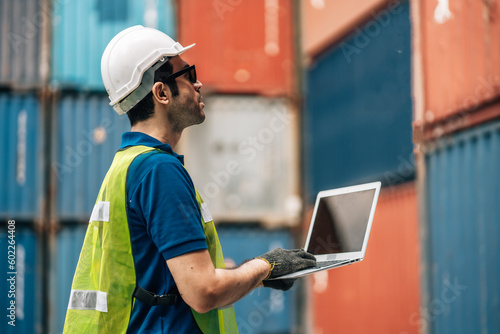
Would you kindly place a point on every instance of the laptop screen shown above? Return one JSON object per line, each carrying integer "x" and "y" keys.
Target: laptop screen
{"x": 341, "y": 222}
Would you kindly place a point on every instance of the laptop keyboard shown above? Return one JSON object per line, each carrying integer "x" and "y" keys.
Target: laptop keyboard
{"x": 328, "y": 263}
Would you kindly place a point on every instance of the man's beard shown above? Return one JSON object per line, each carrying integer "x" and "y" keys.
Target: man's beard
{"x": 183, "y": 115}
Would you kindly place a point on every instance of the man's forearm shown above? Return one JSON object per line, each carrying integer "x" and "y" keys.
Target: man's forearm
{"x": 234, "y": 284}
{"x": 204, "y": 287}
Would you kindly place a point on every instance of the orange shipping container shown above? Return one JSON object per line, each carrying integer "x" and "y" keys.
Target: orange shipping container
{"x": 241, "y": 46}
{"x": 381, "y": 293}
{"x": 458, "y": 43}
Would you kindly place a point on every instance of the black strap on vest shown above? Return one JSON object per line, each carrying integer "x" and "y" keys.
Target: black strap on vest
{"x": 153, "y": 299}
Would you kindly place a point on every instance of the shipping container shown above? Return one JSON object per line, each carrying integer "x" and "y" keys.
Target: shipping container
{"x": 68, "y": 242}
{"x": 380, "y": 294}
{"x": 21, "y": 151}
{"x": 462, "y": 242}
{"x": 87, "y": 138}
{"x": 357, "y": 122}
{"x": 264, "y": 310}
{"x": 458, "y": 45}
{"x": 21, "y": 285}
{"x": 326, "y": 21}
{"x": 241, "y": 46}
{"x": 22, "y": 23}
{"x": 244, "y": 159}
{"x": 82, "y": 29}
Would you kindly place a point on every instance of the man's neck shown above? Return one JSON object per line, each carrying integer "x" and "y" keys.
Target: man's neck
{"x": 166, "y": 136}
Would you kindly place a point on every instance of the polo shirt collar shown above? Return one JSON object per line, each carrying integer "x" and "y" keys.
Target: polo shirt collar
{"x": 139, "y": 138}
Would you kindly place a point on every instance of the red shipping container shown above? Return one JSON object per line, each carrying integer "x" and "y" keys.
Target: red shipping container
{"x": 241, "y": 46}
{"x": 381, "y": 293}
{"x": 460, "y": 52}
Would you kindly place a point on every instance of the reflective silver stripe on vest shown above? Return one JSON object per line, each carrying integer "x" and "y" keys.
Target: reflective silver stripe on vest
{"x": 205, "y": 213}
{"x": 100, "y": 212}
{"x": 88, "y": 300}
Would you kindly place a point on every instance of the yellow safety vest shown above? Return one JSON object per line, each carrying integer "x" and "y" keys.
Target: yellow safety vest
{"x": 101, "y": 298}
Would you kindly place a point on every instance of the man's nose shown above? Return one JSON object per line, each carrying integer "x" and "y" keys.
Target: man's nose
{"x": 198, "y": 85}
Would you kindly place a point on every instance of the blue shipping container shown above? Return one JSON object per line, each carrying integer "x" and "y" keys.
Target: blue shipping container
{"x": 264, "y": 310}
{"x": 82, "y": 29}
{"x": 357, "y": 124}
{"x": 68, "y": 244}
{"x": 24, "y": 287}
{"x": 21, "y": 152}
{"x": 22, "y": 24}
{"x": 462, "y": 242}
{"x": 87, "y": 138}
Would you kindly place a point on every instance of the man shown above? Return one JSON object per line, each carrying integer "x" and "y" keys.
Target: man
{"x": 151, "y": 260}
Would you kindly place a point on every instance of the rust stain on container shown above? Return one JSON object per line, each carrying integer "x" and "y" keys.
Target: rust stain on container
{"x": 460, "y": 56}
{"x": 241, "y": 46}
{"x": 381, "y": 293}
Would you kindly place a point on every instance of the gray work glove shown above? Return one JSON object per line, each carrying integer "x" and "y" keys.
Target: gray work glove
{"x": 285, "y": 261}
{"x": 279, "y": 284}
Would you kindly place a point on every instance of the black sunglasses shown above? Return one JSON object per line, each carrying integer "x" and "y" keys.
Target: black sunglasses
{"x": 190, "y": 70}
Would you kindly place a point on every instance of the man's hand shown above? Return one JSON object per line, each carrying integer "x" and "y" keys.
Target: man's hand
{"x": 279, "y": 284}
{"x": 285, "y": 261}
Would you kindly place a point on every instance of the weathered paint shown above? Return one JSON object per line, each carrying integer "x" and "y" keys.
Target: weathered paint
{"x": 87, "y": 138}
{"x": 241, "y": 46}
{"x": 357, "y": 120}
{"x": 460, "y": 56}
{"x": 463, "y": 232}
{"x": 22, "y": 23}
{"x": 21, "y": 152}
{"x": 380, "y": 294}
{"x": 82, "y": 29}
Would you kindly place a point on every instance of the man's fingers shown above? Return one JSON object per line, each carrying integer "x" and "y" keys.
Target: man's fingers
{"x": 308, "y": 255}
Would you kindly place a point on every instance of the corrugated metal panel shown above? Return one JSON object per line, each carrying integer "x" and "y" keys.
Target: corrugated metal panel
{"x": 381, "y": 294}
{"x": 21, "y": 23}
{"x": 243, "y": 159}
{"x": 357, "y": 124}
{"x": 82, "y": 29}
{"x": 241, "y": 46}
{"x": 28, "y": 292}
{"x": 463, "y": 239}
{"x": 264, "y": 310}
{"x": 326, "y": 21}
{"x": 68, "y": 244}
{"x": 461, "y": 55}
{"x": 87, "y": 138}
{"x": 21, "y": 164}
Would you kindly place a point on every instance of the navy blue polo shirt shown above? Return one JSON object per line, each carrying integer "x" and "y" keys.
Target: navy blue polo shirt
{"x": 164, "y": 222}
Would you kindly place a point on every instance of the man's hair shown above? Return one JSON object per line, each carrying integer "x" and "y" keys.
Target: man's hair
{"x": 144, "y": 109}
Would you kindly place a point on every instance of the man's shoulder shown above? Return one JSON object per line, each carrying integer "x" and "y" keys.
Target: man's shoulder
{"x": 157, "y": 163}
{"x": 155, "y": 159}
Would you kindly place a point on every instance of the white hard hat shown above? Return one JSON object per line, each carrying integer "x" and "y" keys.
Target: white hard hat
{"x": 129, "y": 61}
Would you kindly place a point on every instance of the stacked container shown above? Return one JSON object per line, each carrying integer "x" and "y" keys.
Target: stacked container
{"x": 23, "y": 180}
{"x": 244, "y": 157}
{"x": 457, "y": 126}
{"x": 357, "y": 128}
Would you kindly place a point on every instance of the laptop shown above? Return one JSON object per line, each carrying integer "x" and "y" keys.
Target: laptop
{"x": 340, "y": 227}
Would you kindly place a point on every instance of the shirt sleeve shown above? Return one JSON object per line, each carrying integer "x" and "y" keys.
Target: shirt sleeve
{"x": 166, "y": 200}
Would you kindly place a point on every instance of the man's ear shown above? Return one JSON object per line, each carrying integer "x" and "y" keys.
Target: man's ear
{"x": 161, "y": 93}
